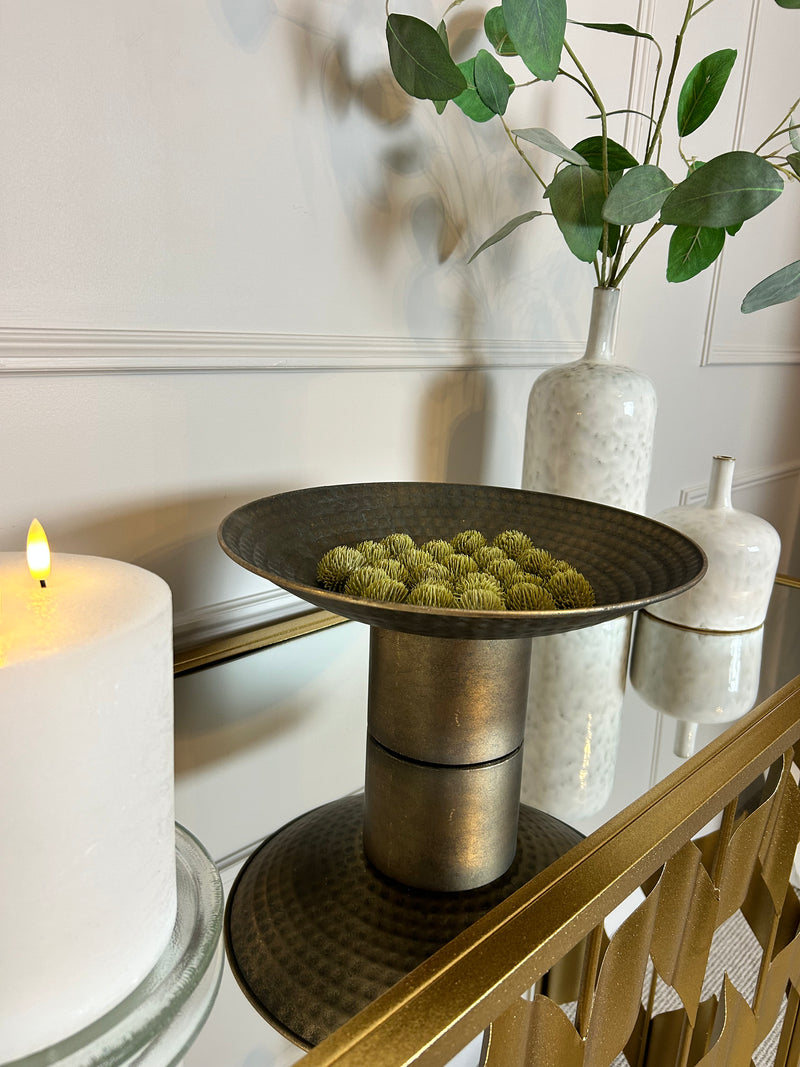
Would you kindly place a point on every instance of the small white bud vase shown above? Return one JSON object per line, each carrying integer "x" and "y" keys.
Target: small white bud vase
{"x": 742, "y": 551}
{"x": 589, "y": 434}
{"x": 698, "y": 657}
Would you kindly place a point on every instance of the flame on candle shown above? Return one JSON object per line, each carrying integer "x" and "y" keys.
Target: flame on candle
{"x": 38, "y": 552}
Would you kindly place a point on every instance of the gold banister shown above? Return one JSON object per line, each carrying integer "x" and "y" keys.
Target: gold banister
{"x": 436, "y": 1010}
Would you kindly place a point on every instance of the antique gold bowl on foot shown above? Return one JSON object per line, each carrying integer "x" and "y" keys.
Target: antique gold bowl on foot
{"x": 335, "y": 907}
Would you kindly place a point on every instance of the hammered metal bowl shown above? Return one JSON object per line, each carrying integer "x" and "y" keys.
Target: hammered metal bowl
{"x": 630, "y": 560}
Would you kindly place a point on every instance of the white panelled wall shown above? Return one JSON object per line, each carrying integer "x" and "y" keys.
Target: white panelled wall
{"x": 233, "y": 260}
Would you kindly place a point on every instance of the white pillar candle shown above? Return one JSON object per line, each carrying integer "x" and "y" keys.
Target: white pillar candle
{"x": 87, "y": 834}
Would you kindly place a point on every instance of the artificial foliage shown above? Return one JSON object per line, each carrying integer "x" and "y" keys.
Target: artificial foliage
{"x": 599, "y": 194}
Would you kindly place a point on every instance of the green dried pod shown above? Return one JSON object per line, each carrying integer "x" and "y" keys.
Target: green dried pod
{"x": 523, "y": 576}
{"x": 416, "y": 562}
{"x": 460, "y": 564}
{"x": 468, "y": 542}
{"x": 480, "y": 600}
{"x": 570, "y": 589}
{"x": 336, "y": 566}
{"x": 505, "y": 570}
{"x": 436, "y": 572}
{"x": 488, "y": 554}
{"x": 529, "y": 596}
{"x": 372, "y": 551}
{"x": 394, "y": 568}
{"x": 386, "y": 588}
{"x": 513, "y": 542}
{"x": 439, "y": 549}
{"x": 477, "y": 580}
{"x": 432, "y": 595}
{"x": 538, "y": 561}
{"x": 398, "y": 543}
{"x": 360, "y": 580}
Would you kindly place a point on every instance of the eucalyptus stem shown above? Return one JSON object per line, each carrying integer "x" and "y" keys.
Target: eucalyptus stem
{"x": 625, "y": 233}
{"x": 515, "y": 141}
{"x": 676, "y": 53}
{"x": 699, "y": 9}
{"x": 604, "y": 151}
{"x": 651, "y": 233}
{"x": 566, "y": 74}
{"x": 778, "y": 131}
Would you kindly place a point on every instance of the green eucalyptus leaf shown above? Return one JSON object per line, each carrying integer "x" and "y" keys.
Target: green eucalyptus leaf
{"x": 779, "y": 287}
{"x": 792, "y": 4}
{"x": 793, "y": 159}
{"x": 536, "y": 28}
{"x": 691, "y": 250}
{"x": 469, "y": 101}
{"x": 794, "y": 136}
{"x": 491, "y": 82}
{"x": 550, "y": 143}
{"x": 420, "y": 60}
{"x": 619, "y": 158}
{"x": 576, "y": 197}
{"x": 494, "y": 26}
{"x": 615, "y": 27}
{"x": 725, "y": 191}
{"x": 702, "y": 89}
{"x": 441, "y": 29}
{"x": 613, "y": 238}
{"x": 504, "y": 231}
{"x": 733, "y": 230}
{"x": 637, "y": 196}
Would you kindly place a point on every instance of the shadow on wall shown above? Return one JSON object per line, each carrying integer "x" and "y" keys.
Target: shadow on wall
{"x": 245, "y": 22}
{"x": 456, "y": 415}
{"x": 175, "y": 539}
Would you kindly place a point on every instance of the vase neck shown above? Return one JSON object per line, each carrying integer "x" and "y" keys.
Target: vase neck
{"x": 721, "y": 482}
{"x": 600, "y": 342}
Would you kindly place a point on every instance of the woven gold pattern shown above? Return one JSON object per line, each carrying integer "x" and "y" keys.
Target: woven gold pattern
{"x": 739, "y": 872}
{"x": 674, "y": 927}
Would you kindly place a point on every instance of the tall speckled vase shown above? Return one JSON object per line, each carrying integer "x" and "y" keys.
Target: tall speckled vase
{"x": 589, "y": 434}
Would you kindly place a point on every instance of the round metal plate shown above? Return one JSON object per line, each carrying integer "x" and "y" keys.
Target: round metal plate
{"x": 630, "y": 560}
{"x": 314, "y": 932}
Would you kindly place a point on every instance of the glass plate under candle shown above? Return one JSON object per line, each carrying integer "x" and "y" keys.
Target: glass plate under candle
{"x": 157, "y": 1023}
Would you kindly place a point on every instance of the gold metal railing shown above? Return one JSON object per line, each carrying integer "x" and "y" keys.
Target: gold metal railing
{"x": 476, "y": 982}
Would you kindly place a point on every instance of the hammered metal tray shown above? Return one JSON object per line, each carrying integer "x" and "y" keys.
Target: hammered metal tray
{"x": 630, "y": 560}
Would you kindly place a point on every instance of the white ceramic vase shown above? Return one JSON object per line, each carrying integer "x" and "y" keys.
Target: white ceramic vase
{"x": 589, "y": 434}
{"x": 697, "y": 657}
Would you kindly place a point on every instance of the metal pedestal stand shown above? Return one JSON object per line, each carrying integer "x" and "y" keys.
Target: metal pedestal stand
{"x": 342, "y": 902}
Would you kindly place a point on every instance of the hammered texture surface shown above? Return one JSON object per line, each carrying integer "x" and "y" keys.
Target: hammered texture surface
{"x": 630, "y": 560}
{"x": 314, "y": 932}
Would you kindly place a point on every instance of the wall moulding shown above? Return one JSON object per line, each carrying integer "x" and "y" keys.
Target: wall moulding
{"x": 31, "y": 351}
{"x": 228, "y": 617}
{"x": 696, "y": 494}
{"x": 716, "y": 352}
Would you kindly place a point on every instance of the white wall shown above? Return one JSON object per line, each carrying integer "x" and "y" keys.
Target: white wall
{"x": 233, "y": 262}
